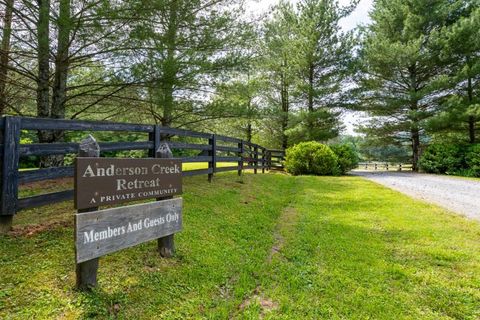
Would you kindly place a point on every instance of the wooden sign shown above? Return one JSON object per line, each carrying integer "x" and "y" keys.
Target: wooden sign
{"x": 107, "y": 181}
{"x": 101, "y": 232}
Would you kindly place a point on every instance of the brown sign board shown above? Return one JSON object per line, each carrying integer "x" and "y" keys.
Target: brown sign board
{"x": 108, "y": 181}
{"x": 101, "y": 232}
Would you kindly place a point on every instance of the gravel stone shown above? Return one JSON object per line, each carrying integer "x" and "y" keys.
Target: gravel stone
{"x": 453, "y": 193}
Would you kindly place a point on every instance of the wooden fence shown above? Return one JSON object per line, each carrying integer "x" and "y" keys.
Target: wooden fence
{"x": 384, "y": 166}
{"x": 212, "y": 149}
{"x": 276, "y": 159}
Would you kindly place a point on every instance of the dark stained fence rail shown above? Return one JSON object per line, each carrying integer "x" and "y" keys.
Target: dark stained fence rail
{"x": 277, "y": 158}
{"x": 215, "y": 149}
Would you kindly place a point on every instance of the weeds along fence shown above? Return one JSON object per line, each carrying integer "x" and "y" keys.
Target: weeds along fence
{"x": 384, "y": 166}
{"x": 192, "y": 147}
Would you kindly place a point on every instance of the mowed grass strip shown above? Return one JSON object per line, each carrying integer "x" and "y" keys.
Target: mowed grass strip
{"x": 204, "y": 165}
{"x": 228, "y": 232}
{"x": 266, "y": 246}
{"x": 361, "y": 251}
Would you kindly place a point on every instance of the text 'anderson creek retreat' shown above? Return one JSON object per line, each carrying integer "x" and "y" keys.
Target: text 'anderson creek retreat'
{"x": 124, "y": 184}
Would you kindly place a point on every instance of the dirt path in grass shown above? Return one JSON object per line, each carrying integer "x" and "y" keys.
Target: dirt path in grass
{"x": 286, "y": 223}
{"x": 453, "y": 193}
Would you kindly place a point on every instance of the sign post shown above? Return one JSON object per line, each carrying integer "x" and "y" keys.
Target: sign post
{"x": 109, "y": 181}
{"x": 86, "y": 271}
{"x": 166, "y": 246}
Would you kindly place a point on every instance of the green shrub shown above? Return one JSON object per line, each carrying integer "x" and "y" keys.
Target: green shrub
{"x": 311, "y": 158}
{"x": 347, "y": 157}
{"x": 442, "y": 158}
{"x": 466, "y": 173}
{"x": 472, "y": 159}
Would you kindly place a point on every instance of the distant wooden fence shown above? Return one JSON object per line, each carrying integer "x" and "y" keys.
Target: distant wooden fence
{"x": 276, "y": 159}
{"x": 213, "y": 149}
{"x": 384, "y": 166}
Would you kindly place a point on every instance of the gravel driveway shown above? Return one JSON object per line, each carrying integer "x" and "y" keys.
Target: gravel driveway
{"x": 456, "y": 194}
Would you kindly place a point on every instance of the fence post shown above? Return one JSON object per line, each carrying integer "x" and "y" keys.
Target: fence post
{"x": 240, "y": 155}
{"x": 87, "y": 271}
{"x": 263, "y": 159}
{"x": 5, "y": 220}
{"x": 255, "y": 150}
{"x": 155, "y": 138}
{"x": 269, "y": 160}
{"x": 165, "y": 245}
{"x": 213, "y": 154}
{"x": 10, "y": 138}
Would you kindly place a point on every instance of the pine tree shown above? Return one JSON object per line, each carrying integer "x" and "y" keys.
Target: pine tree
{"x": 186, "y": 48}
{"x": 280, "y": 68}
{"x": 239, "y": 100}
{"x": 459, "y": 48}
{"x": 399, "y": 69}
{"x": 324, "y": 64}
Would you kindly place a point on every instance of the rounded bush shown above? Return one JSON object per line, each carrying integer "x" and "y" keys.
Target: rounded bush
{"x": 442, "y": 158}
{"x": 311, "y": 158}
{"x": 472, "y": 158}
{"x": 347, "y": 158}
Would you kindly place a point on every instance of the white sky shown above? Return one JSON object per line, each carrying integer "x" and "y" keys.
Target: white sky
{"x": 359, "y": 16}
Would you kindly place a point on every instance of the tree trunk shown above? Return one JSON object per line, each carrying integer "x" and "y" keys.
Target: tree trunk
{"x": 310, "y": 120}
{"x": 169, "y": 68}
{"x": 414, "y": 129}
{"x": 61, "y": 62}
{"x": 59, "y": 92}
{"x": 43, "y": 92}
{"x": 5, "y": 53}
{"x": 415, "y": 148}
{"x": 44, "y": 109}
{"x": 249, "y": 117}
{"x": 472, "y": 120}
{"x": 249, "y": 131}
{"x": 167, "y": 101}
{"x": 310, "y": 87}
{"x": 472, "y": 128}
{"x": 167, "y": 88}
{"x": 285, "y": 110}
{"x": 285, "y": 103}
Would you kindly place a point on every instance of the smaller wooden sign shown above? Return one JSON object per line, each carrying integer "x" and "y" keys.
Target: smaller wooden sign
{"x": 107, "y": 181}
{"x": 101, "y": 232}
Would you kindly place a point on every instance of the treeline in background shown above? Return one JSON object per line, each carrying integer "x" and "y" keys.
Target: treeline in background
{"x": 277, "y": 79}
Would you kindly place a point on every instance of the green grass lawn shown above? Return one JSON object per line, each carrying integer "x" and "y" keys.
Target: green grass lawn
{"x": 204, "y": 165}
{"x": 266, "y": 246}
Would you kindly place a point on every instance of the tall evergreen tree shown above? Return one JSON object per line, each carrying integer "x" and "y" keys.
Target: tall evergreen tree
{"x": 459, "y": 48}
{"x": 399, "y": 69}
{"x": 186, "y": 47}
{"x": 280, "y": 67}
{"x": 239, "y": 101}
{"x": 324, "y": 60}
